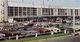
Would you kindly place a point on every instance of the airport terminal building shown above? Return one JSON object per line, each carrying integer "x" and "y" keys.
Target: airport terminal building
{"x": 22, "y": 10}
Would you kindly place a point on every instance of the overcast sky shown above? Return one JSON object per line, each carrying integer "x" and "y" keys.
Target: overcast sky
{"x": 73, "y": 3}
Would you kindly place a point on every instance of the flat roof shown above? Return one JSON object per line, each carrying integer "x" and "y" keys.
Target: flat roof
{"x": 20, "y": 4}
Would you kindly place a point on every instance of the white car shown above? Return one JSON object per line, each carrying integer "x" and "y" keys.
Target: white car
{"x": 2, "y": 36}
{"x": 54, "y": 29}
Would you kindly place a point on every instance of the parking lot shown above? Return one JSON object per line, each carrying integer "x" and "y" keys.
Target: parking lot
{"x": 11, "y": 30}
{"x": 29, "y": 28}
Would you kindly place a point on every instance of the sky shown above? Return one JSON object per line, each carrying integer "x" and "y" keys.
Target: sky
{"x": 71, "y": 3}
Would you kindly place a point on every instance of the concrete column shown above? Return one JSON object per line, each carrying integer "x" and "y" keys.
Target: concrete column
{"x": 9, "y": 37}
{"x": 52, "y": 32}
{"x": 65, "y": 31}
{"x": 74, "y": 20}
{"x": 56, "y": 12}
{"x": 50, "y": 12}
{"x": 36, "y": 35}
{"x": 37, "y": 11}
{"x": 74, "y": 30}
{"x": 68, "y": 12}
{"x": 41, "y": 12}
{"x": 17, "y": 37}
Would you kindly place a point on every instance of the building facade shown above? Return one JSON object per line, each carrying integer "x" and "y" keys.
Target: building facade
{"x": 23, "y": 11}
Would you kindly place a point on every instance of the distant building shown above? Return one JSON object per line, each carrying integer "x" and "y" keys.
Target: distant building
{"x": 20, "y": 11}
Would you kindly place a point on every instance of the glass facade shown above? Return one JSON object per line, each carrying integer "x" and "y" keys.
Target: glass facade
{"x": 76, "y": 11}
{"x": 30, "y": 11}
{"x": 46, "y": 11}
{"x": 62, "y": 12}
{"x": 22, "y": 11}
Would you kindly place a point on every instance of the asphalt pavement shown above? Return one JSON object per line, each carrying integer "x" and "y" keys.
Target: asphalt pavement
{"x": 67, "y": 39}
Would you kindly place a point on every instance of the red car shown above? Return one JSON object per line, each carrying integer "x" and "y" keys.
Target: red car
{"x": 10, "y": 33}
{"x": 41, "y": 30}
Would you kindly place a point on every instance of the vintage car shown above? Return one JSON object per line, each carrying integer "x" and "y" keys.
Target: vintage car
{"x": 76, "y": 33}
{"x": 54, "y": 29}
{"x": 2, "y": 36}
{"x": 51, "y": 28}
{"x": 10, "y": 33}
{"x": 41, "y": 30}
{"x": 29, "y": 32}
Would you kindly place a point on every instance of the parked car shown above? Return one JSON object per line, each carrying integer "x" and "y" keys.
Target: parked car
{"x": 10, "y": 33}
{"x": 28, "y": 33}
{"x": 52, "y": 28}
{"x": 41, "y": 30}
{"x": 77, "y": 33}
{"x": 2, "y": 36}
